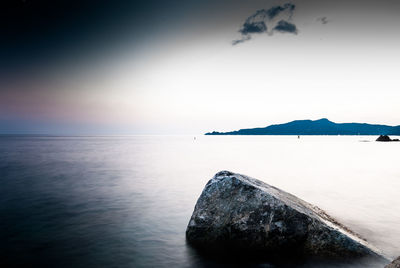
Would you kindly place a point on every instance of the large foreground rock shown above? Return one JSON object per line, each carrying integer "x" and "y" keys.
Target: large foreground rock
{"x": 394, "y": 264}
{"x": 236, "y": 213}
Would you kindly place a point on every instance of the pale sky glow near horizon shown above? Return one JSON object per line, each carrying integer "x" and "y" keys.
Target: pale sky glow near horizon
{"x": 184, "y": 75}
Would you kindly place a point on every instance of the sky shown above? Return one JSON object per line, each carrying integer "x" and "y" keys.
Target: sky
{"x": 190, "y": 67}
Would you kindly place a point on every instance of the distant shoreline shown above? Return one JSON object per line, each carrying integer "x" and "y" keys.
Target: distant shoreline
{"x": 316, "y": 128}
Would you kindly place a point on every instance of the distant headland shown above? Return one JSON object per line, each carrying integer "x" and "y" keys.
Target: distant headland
{"x": 316, "y": 127}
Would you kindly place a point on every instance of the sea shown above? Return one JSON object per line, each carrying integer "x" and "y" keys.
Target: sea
{"x": 125, "y": 201}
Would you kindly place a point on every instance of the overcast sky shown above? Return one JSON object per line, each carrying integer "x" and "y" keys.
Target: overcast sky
{"x": 189, "y": 67}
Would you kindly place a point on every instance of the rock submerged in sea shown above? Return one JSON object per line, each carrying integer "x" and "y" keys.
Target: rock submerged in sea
{"x": 236, "y": 213}
{"x": 385, "y": 138}
{"x": 394, "y": 264}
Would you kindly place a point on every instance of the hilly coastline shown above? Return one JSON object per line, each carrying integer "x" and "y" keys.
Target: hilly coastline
{"x": 316, "y": 127}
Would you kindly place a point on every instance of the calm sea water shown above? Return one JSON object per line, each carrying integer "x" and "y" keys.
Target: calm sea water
{"x": 126, "y": 201}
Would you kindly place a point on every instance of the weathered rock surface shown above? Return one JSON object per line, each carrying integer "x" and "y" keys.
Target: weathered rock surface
{"x": 394, "y": 264}
{"x": 236, "y": 213}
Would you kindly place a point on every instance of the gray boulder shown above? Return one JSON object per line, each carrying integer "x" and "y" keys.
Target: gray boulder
{"x": 236, "y": 213}
{"x": 394, "y": 264}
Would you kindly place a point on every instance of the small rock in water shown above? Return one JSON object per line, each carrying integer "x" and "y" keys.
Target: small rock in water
{"x": 241, "y": 215}
{"x": 385, "y": 138}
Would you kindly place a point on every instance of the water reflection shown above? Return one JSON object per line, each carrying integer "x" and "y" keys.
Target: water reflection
{"x": 126, "y": 201}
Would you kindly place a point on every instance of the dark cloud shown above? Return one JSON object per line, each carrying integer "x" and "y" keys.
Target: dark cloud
{"x": 244, "y": 39}
{"x": 274, "y": 11}
{"x": 253, "y": 27}
{"x": 265, "y": 19}
{"x": 285, "y": 27}
{"x": 323, "y": 20}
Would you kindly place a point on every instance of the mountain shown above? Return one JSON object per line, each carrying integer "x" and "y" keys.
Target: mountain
{"x": 317, "y": 127}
